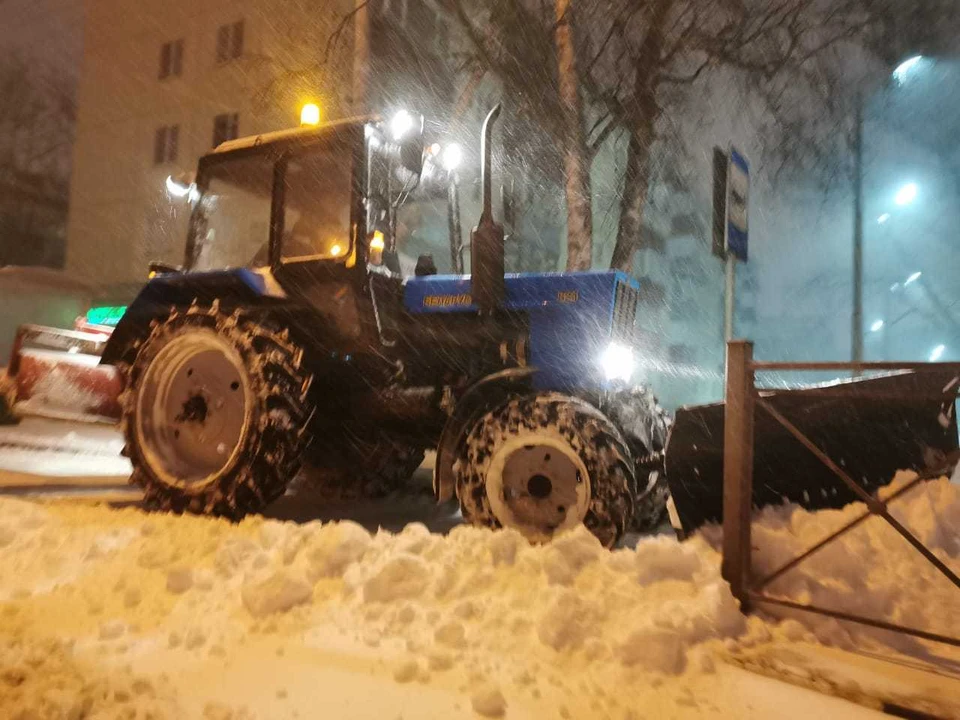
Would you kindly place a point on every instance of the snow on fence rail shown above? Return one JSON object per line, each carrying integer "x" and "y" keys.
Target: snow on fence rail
{"x": 742, "y": 399}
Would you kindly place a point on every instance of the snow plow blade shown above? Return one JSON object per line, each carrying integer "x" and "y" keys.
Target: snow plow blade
{"x": 871, "y": 428}
{"x": 57, "y": 373}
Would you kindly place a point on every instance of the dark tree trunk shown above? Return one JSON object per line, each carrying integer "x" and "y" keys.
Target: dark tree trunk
{"x": 642, "y": 119}
{"x": 636, "y": 184}
{"x": 576, "y": 162}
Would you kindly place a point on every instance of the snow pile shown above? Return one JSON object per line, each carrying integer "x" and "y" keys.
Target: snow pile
{"x": 872, "y": 570}
{"x": 481, "y": 615}
{"x": 165, "y": 616}
{"x": 45, "y": 680}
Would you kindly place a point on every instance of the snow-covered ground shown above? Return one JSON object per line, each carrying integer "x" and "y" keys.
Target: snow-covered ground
{"x": 41, "y": 456}
{"x": 116, "y": 613}
{"x": 62, "y": 452}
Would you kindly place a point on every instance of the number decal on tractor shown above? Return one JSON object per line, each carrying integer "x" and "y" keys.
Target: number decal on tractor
{"x": 568, "y": 296}
{"x": 447, "y": 300}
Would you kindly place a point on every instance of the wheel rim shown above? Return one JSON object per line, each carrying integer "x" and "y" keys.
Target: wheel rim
{"x": 193, "y": 409}
{"x": 538, "y": 485}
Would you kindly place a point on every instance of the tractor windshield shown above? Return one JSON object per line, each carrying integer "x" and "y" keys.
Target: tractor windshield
{"x": 232, "y": 223}
{"x": 311, "y": 184}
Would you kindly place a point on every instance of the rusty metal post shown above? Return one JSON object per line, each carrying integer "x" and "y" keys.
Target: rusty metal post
{"x": 738, "y": 468}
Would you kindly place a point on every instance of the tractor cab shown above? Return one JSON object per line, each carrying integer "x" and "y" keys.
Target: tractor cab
{"x": 310, "y": 214}
{"x": 318, "y": 197}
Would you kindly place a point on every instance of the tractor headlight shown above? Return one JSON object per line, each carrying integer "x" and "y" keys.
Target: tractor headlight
{"x": 401, "y": 124}
{"x": 617, "y": 362}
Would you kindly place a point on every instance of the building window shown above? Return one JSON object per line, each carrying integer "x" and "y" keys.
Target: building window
{"x": 230, "y": 41}
{"x": 225, "y": 127}
{"x": 171, "y": 59}
{"x": 165, "y": 143}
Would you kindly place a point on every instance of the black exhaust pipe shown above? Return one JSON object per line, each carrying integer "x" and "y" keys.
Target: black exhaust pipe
{"x": 486, "y": 240}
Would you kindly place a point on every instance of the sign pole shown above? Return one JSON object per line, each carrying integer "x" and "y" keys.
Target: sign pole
{"x": 729, "y": 300}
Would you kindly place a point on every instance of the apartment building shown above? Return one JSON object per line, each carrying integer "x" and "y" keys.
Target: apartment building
{"x": 161, "y": 84}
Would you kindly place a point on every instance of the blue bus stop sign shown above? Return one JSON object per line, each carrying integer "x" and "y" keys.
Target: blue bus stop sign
{"x": 738, "y": 194}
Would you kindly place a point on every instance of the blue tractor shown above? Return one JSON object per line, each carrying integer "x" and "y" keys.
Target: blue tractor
{"x": 289, "y": 336}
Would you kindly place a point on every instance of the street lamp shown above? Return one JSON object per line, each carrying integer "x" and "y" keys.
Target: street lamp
{"x": 937, "y": 353}
{"x": 906, "y": 195}
{"x": 877, "y": 326}
{"x": 902, "y": 71}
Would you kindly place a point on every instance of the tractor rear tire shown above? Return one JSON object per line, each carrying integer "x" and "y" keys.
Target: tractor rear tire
{"x": 544, "y": 464}
{"x": 214, "y": 413}
{"x": 645, "y": 426}
{"x": 359, "y": 468}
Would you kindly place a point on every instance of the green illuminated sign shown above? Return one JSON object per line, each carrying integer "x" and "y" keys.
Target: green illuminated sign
{"x": 106, "y": 315}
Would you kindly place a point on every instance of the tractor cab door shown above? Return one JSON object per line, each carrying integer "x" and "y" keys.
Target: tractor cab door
{"x": 317, "y": 222}
{"x": 299, "y": 206}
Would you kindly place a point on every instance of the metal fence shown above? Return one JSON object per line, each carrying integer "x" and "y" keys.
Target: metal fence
{"x": 743, "y": 399}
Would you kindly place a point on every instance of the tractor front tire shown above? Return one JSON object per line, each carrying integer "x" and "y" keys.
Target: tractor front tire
{"x": 645, "y": 425}
{"x": 214, "y": 413}
{"x": 544, "y": 464}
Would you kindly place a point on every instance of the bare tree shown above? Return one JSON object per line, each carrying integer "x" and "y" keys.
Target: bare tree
{"x": 647, "y": 64}
{"x": 37, "y": 116}
{"x": 637, "y": 63}
{"x": 575, "y": 163}
{"x": 575, "y": 74}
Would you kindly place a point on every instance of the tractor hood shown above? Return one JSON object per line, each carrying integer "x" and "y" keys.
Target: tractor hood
{"x": 573, "y": 317}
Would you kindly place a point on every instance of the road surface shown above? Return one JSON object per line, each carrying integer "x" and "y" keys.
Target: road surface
{"x": 58, "y": 459}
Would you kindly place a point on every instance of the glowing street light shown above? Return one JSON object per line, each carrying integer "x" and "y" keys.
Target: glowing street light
{"x": 310, "y": 115}
{"x": 877, "y": 326}
{"x": 913, "y": 278}
{"x": 883, "y": 218}
{"x": 902, "y": 71}
{"x": 937, "y": 353}
{"x": 906, "y": 195}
